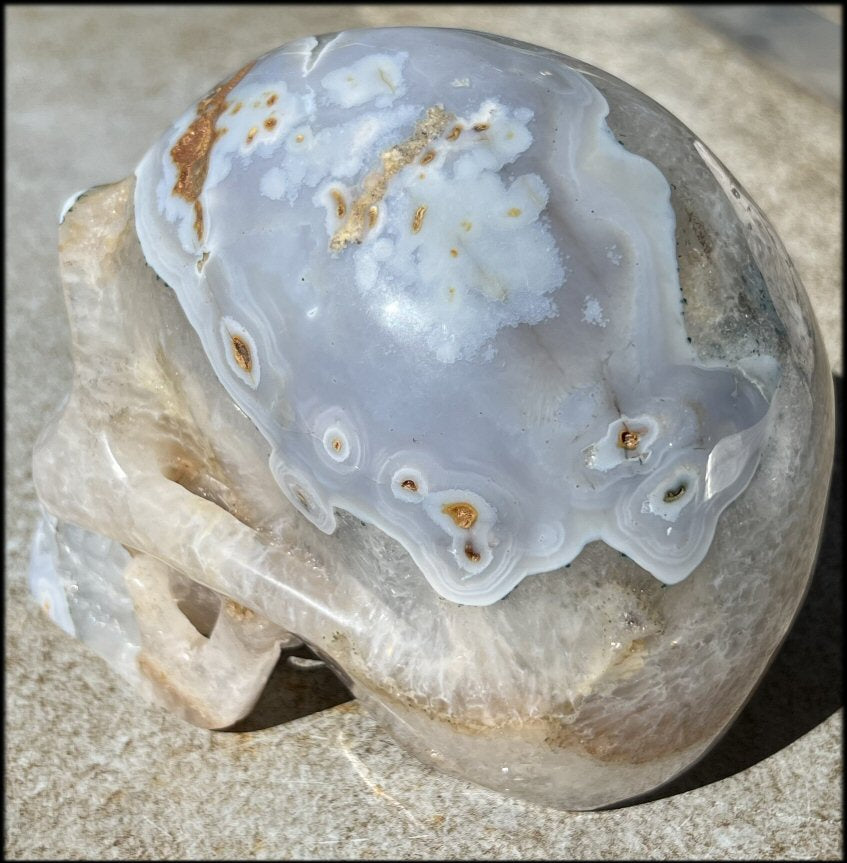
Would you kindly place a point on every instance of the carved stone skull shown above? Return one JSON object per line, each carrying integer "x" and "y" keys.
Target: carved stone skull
{"x": 464, "y": 364}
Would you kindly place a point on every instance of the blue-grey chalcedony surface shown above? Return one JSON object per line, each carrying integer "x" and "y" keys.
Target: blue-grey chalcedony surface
{"x": 95, "y": 771}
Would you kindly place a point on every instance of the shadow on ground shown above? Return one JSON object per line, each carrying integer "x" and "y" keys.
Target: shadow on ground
{"x": 299, "y": 685}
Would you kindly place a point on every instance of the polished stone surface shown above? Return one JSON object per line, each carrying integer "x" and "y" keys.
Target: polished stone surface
{"x": 785, "y": 804}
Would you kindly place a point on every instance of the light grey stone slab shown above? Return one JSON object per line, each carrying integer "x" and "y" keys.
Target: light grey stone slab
{"x": 802, "y": 43}
{"x": 92, "y": 770}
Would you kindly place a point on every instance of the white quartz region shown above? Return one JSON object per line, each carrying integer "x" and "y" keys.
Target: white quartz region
{"x": 453, "y": 311}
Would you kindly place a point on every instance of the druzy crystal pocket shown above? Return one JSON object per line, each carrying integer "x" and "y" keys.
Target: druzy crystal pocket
{"x": 469, "y": 366}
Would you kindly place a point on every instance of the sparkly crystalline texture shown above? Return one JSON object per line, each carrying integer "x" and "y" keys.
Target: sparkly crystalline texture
{"x": 398, "y": 345}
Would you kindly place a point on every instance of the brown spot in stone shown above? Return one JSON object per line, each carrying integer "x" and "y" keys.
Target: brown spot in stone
{"x": 191, "y": 152}
{"x": 471, "y": 553}
{"x": 454, "y": 133}
{"x": 463, "y": 514}
{"x": 254, "y": 130}
{"x": 340, "y": 203}
{"x": 454, "y": 253}
{"x": 373, "y": 214}
{"x": 480, "y": 127}
{"x": 673, "y": 494}
{"x": 270, "y": 123}
{"x": 375, "y": 184}
{"x": 514, "y": 212}
{"x": 417, "y": 219}
{"x": 271, "y": 100}
{"x": 238, "y": 611}
{"x": 300, "y": 138}
{"x": 241, "y": 352}
{"x": 628, "y": 439}
{"x": 236, "y": 108}
{"x": 409, "y": 485}
{"x": 202, "y": 262}
{"x": 428, "y": 157}
{"x": 337, "y": 444}
{"x": 466, "y": 225}
{"x": 303, "y": 499}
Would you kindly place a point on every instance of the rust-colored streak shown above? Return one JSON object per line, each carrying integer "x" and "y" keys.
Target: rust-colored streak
{"x": 191, "y": 152}
{"x": 428, "y": 157}
{"x": 375, "y": 185}
{"x": 480, "y": 127}
{"x": 340, "y": 203}
{"x": 271, "y": 99}
{"x": 198, "y": 219}
{"x": 454, "y": 133}
{"x": 237, "y": 611}
{"x": 241, "y": 352}
{"x": 417, "y": 219}
{"x": 463, "y": 514}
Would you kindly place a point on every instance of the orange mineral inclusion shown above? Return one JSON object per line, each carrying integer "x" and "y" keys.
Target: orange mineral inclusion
{"x": 191, "y": 152}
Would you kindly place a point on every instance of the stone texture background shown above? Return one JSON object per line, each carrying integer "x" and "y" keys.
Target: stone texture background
{"x": 94, "y": 772}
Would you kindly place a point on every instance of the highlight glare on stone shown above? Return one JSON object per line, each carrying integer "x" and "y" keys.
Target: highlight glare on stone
{"x": 458, "y": 383}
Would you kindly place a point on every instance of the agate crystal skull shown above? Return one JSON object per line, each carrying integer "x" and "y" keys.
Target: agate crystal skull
{"x": 468, "y": 366}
